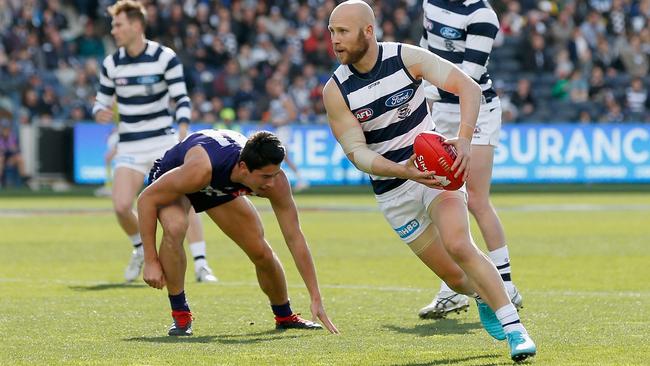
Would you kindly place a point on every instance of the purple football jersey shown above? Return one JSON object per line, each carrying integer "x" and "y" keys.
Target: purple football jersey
{"x": 223, "y": 148}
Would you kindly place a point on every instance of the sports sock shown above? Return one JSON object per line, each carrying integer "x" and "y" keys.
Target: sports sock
{"x": 282, "y": 311}
{"x": 444, "y": 287}
{"x": 136, "y": 240}
{"x": 178, "y": 302}
{"x": 198, "y": 253}
{"x": 509, "y": 319}
{"x": 501, "y": 259}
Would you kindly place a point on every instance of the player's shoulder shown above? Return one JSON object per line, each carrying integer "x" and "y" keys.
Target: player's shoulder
{"x": 164, "y": 49}
{"x": 482, "y": 12}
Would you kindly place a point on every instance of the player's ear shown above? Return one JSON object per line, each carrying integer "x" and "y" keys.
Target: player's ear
{"x": 242, "y": 165}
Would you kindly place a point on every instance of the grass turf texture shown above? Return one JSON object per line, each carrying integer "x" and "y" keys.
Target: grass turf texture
{"x": 580, "y": 261}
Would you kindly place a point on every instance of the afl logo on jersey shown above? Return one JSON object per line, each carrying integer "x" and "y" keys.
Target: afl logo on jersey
{"x": 428, "y": 25}
{"x": 399, "y": 98}
{"x": 449, "y": 33}
{"x": 364, "y": 114}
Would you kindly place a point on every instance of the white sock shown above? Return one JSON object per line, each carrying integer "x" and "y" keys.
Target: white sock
{"x": 444, "y": 287}
{"x": 198, "y": 253}
{"x": 509, "y": 319}
{"x": 136, "y": 240}
{"x": 501, "y": 259}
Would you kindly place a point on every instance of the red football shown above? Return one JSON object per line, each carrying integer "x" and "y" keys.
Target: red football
{"x": 431, "y": 154}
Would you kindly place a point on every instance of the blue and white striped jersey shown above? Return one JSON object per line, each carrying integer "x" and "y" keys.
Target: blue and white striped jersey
{"x": 143, "y": 85}
{"x": 461, "y": 32}
{"x": 390, "y": 106}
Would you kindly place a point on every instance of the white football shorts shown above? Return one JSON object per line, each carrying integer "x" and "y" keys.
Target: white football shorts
{"x": 488, "y": 125}
{"x": 139, "y": 155}
{"x": 406, "y": 208}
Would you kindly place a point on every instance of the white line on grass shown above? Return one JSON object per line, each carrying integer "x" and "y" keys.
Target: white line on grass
{"x": 599, "y": 293}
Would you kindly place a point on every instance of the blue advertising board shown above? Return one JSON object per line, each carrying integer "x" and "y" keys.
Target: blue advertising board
{"x": 528, "y": 153}
{"x": 571, "y": 153}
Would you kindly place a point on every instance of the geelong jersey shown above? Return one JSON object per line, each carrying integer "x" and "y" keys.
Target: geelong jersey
{"x": 143, "y": 85}
{"x": 461, "y": 32}
{"x": 390, "y": 106}
{"x": 223, "y": 148}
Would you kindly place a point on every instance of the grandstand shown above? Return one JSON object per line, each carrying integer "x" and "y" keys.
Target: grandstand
{"x": 554, "y": 61}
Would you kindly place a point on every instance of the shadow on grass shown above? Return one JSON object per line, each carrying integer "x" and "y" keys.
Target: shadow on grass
{"x": 442, "y": 326}
{"x": 107, "y": 286}
{"x": 454, "y": 361}
{"x": 249, "y": 338}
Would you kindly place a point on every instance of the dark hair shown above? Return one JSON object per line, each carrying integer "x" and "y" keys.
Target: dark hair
{"x": 262, "y": 149}
{"x": 134, "y": 10}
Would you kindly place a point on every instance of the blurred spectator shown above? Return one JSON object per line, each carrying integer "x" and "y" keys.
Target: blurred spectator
{"x": 275, "y": 24}
{"x": 536, "y": 57}
{"x": 593, "y": 28}
{"x": 523, "y": 100}
{"x": 616, "y": 19}
{"x": 10, "y": 156}
{"x": 585, "y": 117}
{"x": 89, "y": 44}
{"x": 633, "y": 58}
{"x": 13, "y": 80}
{"x": 562, "y": 29}
{"x": 605, "y": 57}
{"x": 636, "y": 98}
{"x": 598, "y": 88}
{"x": 578, "y": 88}
{"x": 614, "y": 112}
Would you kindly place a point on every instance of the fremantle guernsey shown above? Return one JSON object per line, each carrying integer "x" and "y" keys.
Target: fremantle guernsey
{"x": 390, "y": 106}
{"x": 223, "y": 148}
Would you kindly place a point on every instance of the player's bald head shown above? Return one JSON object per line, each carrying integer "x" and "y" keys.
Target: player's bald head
{"x": 353, "y": 11}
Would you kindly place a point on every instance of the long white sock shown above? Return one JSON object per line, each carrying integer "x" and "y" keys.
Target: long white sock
{"x": 509, "y": 319}
{"x": 198, "y": 253}
{"x": 136, "y": 240}
{"x": 501, "y": 259}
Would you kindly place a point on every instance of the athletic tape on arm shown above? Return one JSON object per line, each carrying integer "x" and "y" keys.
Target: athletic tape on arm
{"x": 435, "y": 69}
{"x": 354, "y": 142}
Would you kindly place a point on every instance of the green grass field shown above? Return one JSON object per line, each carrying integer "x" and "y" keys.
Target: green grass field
{"x": 581, "y": 261}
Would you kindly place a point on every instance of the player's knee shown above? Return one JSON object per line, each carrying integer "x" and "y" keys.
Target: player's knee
{"x": 262, "y": 257}
{"x": 477, "y": 203}
{"x": 176, "y": 228}
{"x": 459, "y": 249}
{"x": 122, "y": 208}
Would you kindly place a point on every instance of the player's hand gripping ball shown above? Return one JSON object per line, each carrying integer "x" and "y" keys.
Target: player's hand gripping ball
{"x": 432, "y": 155}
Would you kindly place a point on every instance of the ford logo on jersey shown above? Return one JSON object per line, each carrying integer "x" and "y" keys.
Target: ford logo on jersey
{"x": 408, "y": 229}
{"x": 399, "y": 98}
{"x": 150, "y": 79}
{"x": 449, "y": 33}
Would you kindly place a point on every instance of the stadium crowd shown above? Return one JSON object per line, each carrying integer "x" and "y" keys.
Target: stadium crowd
{"x": 249, "y": 60}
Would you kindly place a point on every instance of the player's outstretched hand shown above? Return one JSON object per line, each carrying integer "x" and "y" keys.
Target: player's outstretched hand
{"x": 463, "y": 150}
{"x": 419, "y": 176}
{"x": 153, "y": 274}
{"x": 318, "y": 312}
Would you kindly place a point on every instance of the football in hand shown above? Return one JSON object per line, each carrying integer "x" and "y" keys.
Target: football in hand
{"x": 432, "y": 155}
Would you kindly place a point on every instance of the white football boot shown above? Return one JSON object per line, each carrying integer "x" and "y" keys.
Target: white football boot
{"x": 444, "y": 303}
{"x": 132, "y": 271}
{"x": 204, "y": 274}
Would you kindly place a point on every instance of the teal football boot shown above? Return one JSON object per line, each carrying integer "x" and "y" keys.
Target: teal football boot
{"x": 521, "y": 346}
